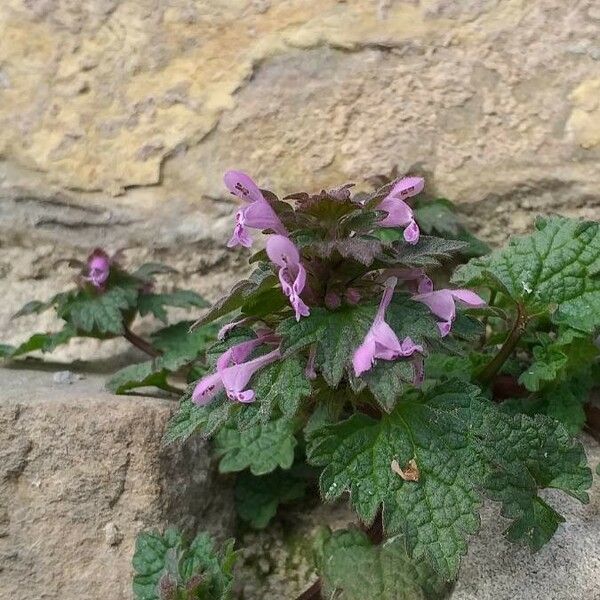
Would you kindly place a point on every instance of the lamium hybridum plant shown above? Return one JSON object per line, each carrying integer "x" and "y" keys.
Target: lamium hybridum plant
{"x": 344, "y": 354}
{"x": 104, "y": 303}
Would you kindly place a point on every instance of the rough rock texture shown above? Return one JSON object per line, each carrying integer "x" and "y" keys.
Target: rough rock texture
{"x": 118, "y": 117}
{"x": 277, "y": 562}
{"x": 81, "y": 472}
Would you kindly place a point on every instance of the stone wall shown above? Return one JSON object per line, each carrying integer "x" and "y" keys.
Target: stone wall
{"x": 118, "y": 118}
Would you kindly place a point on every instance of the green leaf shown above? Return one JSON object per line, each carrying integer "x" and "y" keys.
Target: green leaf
{"x": 182, "y": 346}
{"x": 146, "y": 374}
{"x": 148, "y": 270}
{"x": 281, "y": 385}
{"x": 190, "y": 418}
{"x": 554, "y": 270}
{"x": 189, "y": 570}
{"x": 428, "y": 252}
{"x": 99, "y": 313}
{"x": 350, "y": 563}
{"x": 563, "y": 401}
{"x": 458, "y": 441}
{"x": 438, "y": 216}
{"x": 548, "y": 362}
{"x": 44, "y": 342}
{"x": 261, "y": 448}
{"x": 155, "y": 303}
{"x": 33, "y": 307}
{"x": 241, "y": 293}
{"x": 336, "y": 333}
{"x": 152, "y": 552}
{"x": 257, "y": 498}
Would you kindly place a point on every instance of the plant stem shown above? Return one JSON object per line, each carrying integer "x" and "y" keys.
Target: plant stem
{"x": 140, "y": 343}
{"x": 489, "y": 371}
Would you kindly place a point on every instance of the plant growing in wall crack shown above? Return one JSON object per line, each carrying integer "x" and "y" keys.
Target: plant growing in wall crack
{"x": 343, "y": 355}
{"x": 103, "y": 304}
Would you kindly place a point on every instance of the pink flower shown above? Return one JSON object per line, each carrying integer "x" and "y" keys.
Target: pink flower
{"x": 381, "y": 342}
{"x": 442, "y": 305}
{"x": 418, "y": 280}
{"x": 399, "y": 213}
{"x": 292, "y": 275}
{"x": 98, "y": 266}
{"x": 257, "y": 214}
{"x": 233, "y": 374}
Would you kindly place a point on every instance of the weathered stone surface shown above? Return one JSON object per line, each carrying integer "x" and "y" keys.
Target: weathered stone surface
{"x": 496, "y": 102}
{"x": 81, "y": 473}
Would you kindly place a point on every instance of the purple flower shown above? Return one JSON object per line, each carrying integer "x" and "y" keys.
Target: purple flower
{"x": 442, "y": 305}
{"x": 257, "y": 214}
{"x": 381, "y": 342}
{"x": 399, "y": 213}
{"x": 236, "y": 377}
{"x": 98, "y": 268}
{"x": 233, "y": 374}
{"x": 419, "y": 281}
{"x": 292, "y": 275}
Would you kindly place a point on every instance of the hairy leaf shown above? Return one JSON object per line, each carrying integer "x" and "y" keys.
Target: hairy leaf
{"x": 170, "y": 562}
{"x": 257, "y": 498}
{"x": 242, "y": 292}
{"x": 553, "y": 270}
{"x": 352, "y": 565}
{"x": 336, "y": 333}
{"x": 458, "y": 441}
{"x": 156, "y": 304}
{"x": 190, "y": 418}
{"x": 44, "y": 342}
{"x": 261, "y": 448}
{"x": 428, "y": 252}
{"x": 93, "y": 312}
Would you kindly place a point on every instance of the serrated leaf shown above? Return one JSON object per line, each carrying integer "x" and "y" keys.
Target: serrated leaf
{"x": 148, "y": 270}
{"x": 95, "y": 312}
{"x": 146, "y": 374}
{"x": 44, "y": 342}
{"x": 438, "y": 216}
{"x": 336, "y": 333}
{"x": 186, "y": 567}
{"x": 260, "y": 280}
{"x": 548, "y": 361}
{"x": 33, "y": 307}
{"x": 281, "y": 385}
{"x": 190, "y": 419}
{"x": 257, "y": 498}
{"x": 352, "y": 565}
{"x": 261, "y": 448}
{"x": 363, "y": 249}
{"x": 563, "y": 401}
{"x": 155, "y": 303}
{"x": 458, "y": 441}
{"x": 553, "y": 270}
{"x": 428, "y": 252}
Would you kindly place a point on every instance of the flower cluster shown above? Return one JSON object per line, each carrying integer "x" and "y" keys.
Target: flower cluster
{"x": 326, "y": 253}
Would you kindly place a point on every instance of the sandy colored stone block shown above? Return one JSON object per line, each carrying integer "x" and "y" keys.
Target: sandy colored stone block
{"x": 81, "y": 473}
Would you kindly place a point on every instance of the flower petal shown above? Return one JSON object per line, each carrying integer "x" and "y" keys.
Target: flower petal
{"x": 364, "y": 356}
{"x": 407, "y": 187}
{"x": 206, "y": 389}
{"x": 468, "y": 297}
{"x": 242, "y": 186}
{"x": 282, "y": 251}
